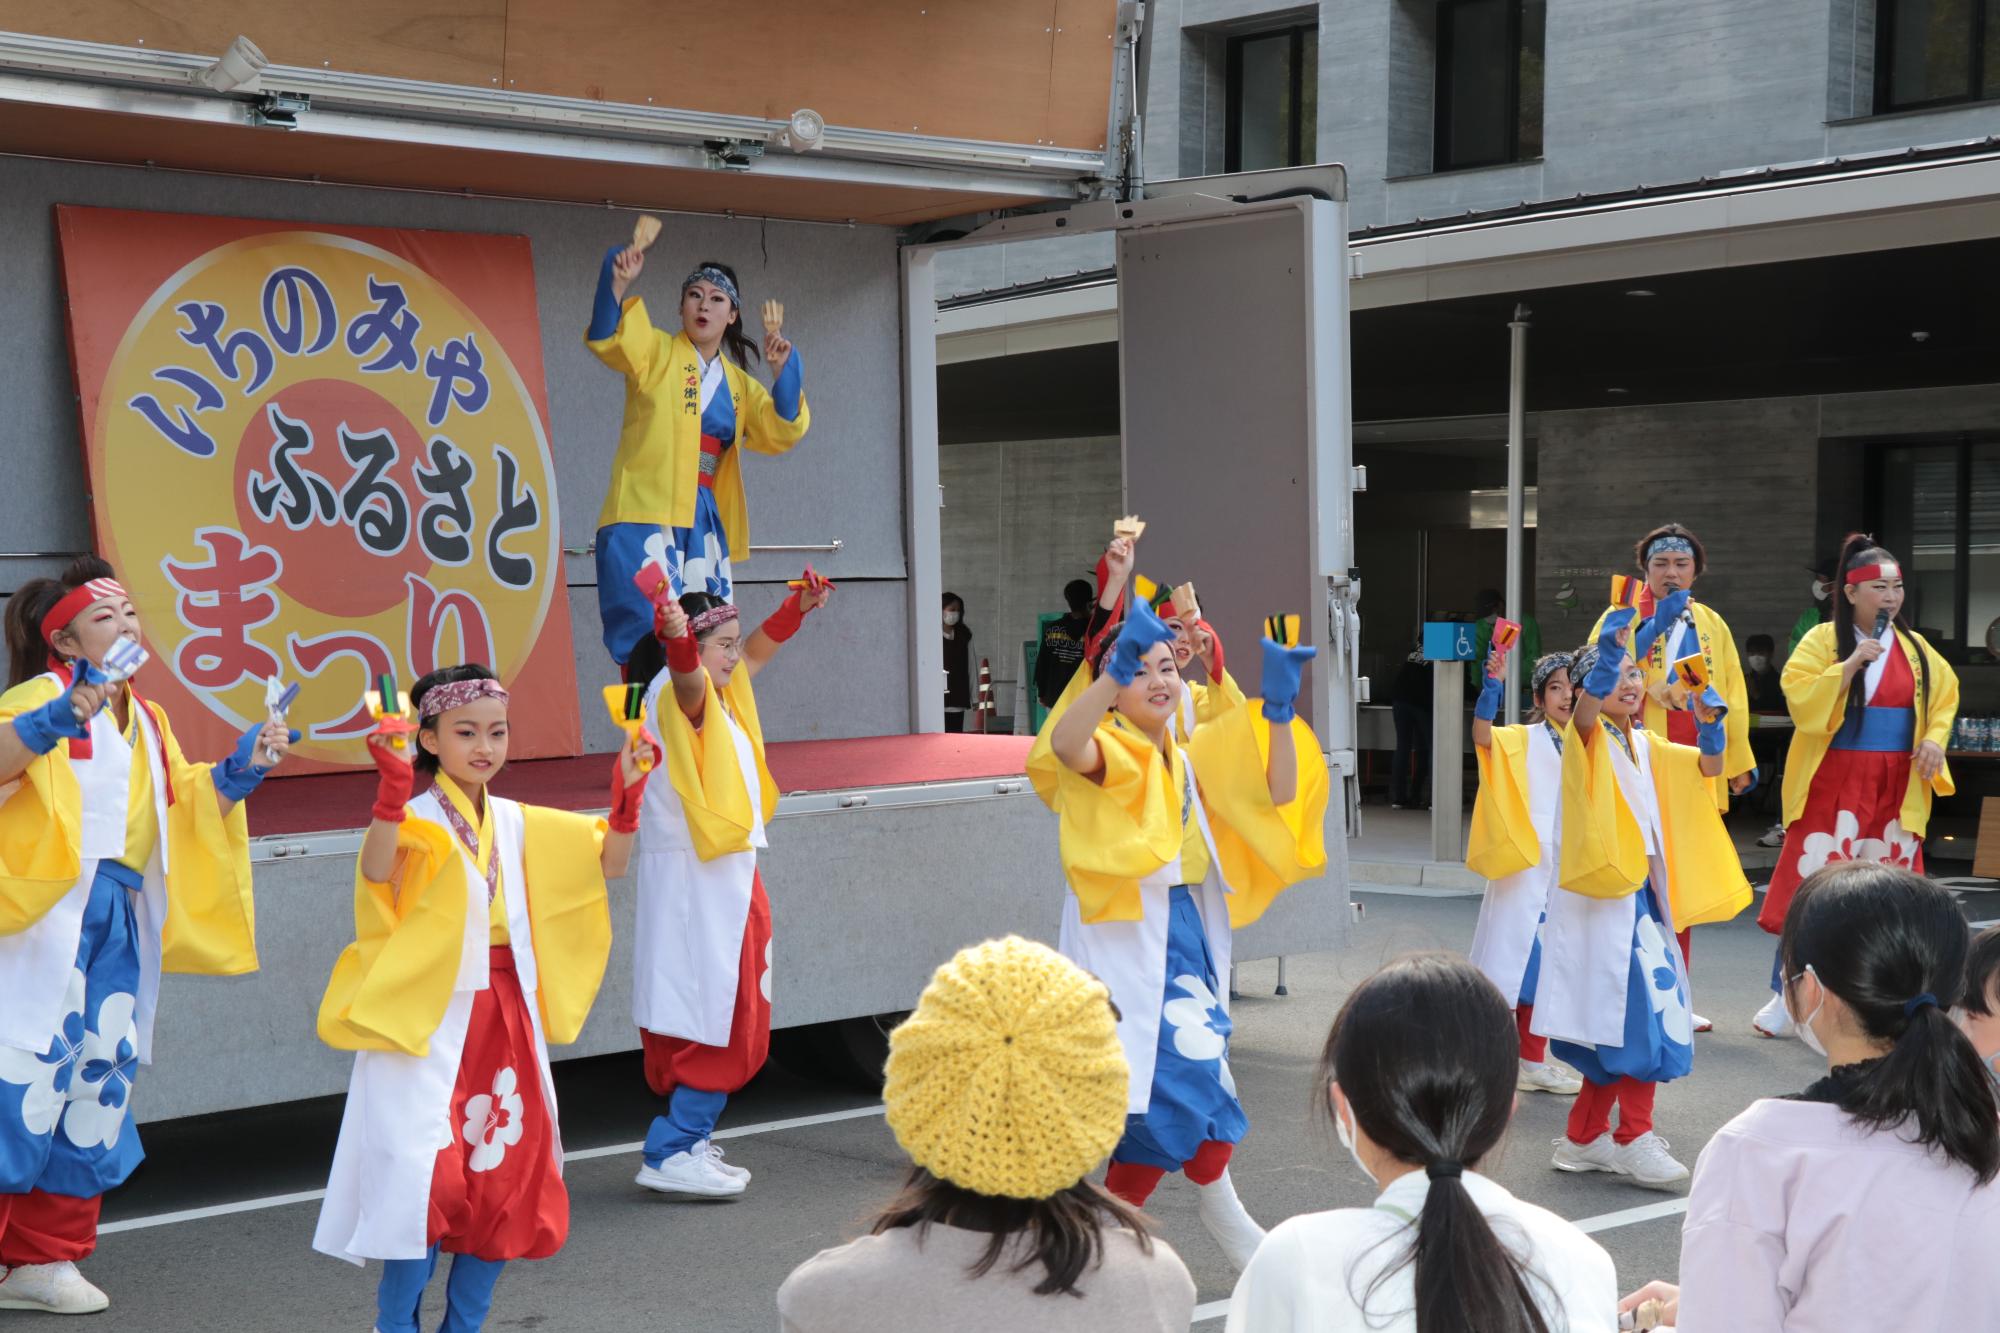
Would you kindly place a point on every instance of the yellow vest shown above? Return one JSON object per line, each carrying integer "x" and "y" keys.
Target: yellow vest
{"x": 1818, "y": 705}
{"x": 1725, "y": 673}
{"x": 1503, "y": 841}
{"x": 657, "y": 469}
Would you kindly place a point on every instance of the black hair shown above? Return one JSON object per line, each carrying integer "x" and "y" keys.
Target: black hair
{"x": 1568, "y": 660}
{"x": 1892, "y": 946}
{"x": 952, "y": 598}
{"x": 27, "y": 653}
{"x": 423, "y": 760}
{"x": 1982, "y": 972}
{"x": 1670, "y": 530}
{"x": 1425, "y": 1053}
{"x": 647, "y": 659}
{"x": 1077, "y": 593}
{"x": 1064, "y": 1232}
{"x": 1861, "y": 549}
{"x": 734, "y": 339}
{"x": 1756, "y": 639}
{"x": 1487, "y": 599}
{"x": 694, "y": 603}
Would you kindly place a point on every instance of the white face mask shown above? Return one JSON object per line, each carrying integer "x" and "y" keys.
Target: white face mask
{"x": 951, "y": 618}
{"x": 1346, "y": 1134}
{"x": 1806, "y": 1033}
{"x": 1821, "y": 591}
{"x": 1759, "y": 662}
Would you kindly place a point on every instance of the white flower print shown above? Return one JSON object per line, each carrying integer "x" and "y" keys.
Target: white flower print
{"x": 100, "y": 1097}
{"x": 1900, "y": 848}
{"x": 1193, "y": 1037}
{"x": 47, "y": 1076}
{"x": 1845, "y": 843}
{"x": 764, "y": 981}
{"x": 493, "y": 1122}
{"x": 1659, "y": 958}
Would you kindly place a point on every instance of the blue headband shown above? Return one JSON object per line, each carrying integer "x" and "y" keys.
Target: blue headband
{"x": 1670, "y": 544}
{"x": 714, "y": 276}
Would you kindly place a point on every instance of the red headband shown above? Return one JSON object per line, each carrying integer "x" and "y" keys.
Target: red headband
{"x": 73, "y": 604}
{"x": 1888, "y": 569}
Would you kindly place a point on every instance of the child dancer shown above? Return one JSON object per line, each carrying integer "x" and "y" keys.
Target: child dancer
{"x": 119, "y": 860}
{"x": 1166, "y": 848}
{"x": 481, "y": 934}
{"x": 1516, "y": 846}
{"x": 701, "y": 956}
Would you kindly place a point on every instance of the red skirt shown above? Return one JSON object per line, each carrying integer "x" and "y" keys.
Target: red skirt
{"x": 1853, "y": 813}
{"x": 497, "y": 1190}
{"x": 672, "y": 1061}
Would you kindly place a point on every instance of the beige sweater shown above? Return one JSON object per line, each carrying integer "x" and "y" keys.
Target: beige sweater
{"x": 895, "y": 1280}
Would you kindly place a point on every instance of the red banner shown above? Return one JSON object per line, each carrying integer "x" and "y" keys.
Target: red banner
{"x": 320, "y": 453}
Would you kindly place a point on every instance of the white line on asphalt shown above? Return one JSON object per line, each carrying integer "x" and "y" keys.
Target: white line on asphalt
{"x": 580, "y": 1155}
{"x": 1213, "y": 1310}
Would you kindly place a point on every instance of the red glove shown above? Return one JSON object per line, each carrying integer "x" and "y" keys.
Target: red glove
{"x": 393, "y": 779}
{"x": 625, "y": 801}
{"x": 683, "y": 653}
{"x": 1215, "y": 639}
{"x": 784, "y": 622}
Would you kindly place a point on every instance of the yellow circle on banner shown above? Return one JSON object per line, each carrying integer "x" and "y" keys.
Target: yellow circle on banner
{"x": 319, "y": 464}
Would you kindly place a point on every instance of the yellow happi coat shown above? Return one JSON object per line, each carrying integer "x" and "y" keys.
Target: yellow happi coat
{"x": 1725, "y": 673}
{"x": 657, "y": 469}
{"x": 702, "y": 766}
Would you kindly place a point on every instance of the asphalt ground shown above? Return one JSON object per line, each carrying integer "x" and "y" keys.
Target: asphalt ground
{"x": 214, "y": 1231}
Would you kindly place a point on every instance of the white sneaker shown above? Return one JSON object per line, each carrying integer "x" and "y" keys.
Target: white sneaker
{"x": 50, "y": 1288}
{"x": 1222, "y": 1212}
{"x": 1648, "y": 1162}
{"x": 1600, "y": 1154}
{"x": 1772, "y": 1020}
{"x": 689, "y": 1173}
{"x": 1541, "y": 1076}
{"x": 708, "y": 1148}
{"x": 1702, "y": 1024}
{"x": 1774, "y": 836}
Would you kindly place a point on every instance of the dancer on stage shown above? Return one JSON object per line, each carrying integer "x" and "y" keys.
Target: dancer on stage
{"x": 481, "y": 934}
{"x": 676, "y": 484}
{"x": 1644, "y": 851}
{"x": 1872, "y": 707}
{"x": 119, "y": 860}
{"x": 1193, "y": 639}
{"x": 701, "y": 954}
{"x": 1516, "y": 846}
{"x": 1166, "y": 848}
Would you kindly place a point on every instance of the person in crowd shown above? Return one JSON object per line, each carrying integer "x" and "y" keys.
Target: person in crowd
{"x": 1412, "y": 698}
{"x": 1872, "y": 707}
{"x": 1762, "y": 677}
{"x": 119, "y": 860}
{"x": 1516, "y": 846}
{"x": 957, "y": 663}
{"x": 1644, "y": 849}
{"x": 1062, "y": 644}
{"x": 1166, "y": 850}
{"x": 1979, "y": 1012}
{"x": 1820, "y": 610}
{"x": 1006, "y": 1088}
{"x": 1418, "y": 1077}
{"x": 676, "y": 494}
{"x": 1868, "y": 1200}
{"x": 701, "y": 943}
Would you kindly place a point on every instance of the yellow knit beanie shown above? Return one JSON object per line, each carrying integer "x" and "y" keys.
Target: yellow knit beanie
{"x": 1008, "y": 1079}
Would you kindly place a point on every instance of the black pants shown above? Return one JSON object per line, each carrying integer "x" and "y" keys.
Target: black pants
{"x": 954, "y": 719}
{"x": 1411, "y": 766}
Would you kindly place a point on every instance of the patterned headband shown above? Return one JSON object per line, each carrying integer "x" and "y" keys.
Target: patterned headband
{"x": 701, "y": 624}
{"x": 1548, "y": 667}
{"x": 457, "y": 694}
{"x": 715, "y": 277}
{"x": 75, "y": 602}
{"x": 1582, "y": 663}
{"x": 1670, "y": 544}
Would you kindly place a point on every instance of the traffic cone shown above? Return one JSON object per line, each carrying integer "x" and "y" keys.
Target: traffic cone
{"x": 983, "y": 711}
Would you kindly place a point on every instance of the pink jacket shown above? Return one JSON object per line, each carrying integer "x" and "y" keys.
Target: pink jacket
{"x": 1800, "y": 1221}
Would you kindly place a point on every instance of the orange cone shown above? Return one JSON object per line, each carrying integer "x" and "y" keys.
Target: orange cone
{"x": 982, "y": 714}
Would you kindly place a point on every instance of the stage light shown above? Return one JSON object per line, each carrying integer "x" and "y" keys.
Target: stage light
{"x": 804, "y": 132}
{"x": 238, "y": 69}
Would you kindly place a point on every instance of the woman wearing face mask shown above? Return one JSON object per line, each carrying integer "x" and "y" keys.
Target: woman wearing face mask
{"x": 1166, "y": 849}
{"x": 119, "y": 860}
{"x": 481, "y": 933}
{"x": 1979, "y": 1012}
{"x": 957, "y": 663}
{"x": 701, "y": 951}
{"x": 1866, "y": 1201}
{"x": 1515, "y": 846}
{"x": 1821, "y": 609}
{"x": 1643, "y": 847}
{"x": 1418, "y": 1079}
{"x": 1761, "y": 680}
{"x": 1872, "y": 707}
{"x": 676, "y": 482}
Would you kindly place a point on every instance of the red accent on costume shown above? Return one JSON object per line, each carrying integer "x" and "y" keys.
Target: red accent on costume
{"x": 1210, "y": 1160}
{"x": 672, "y": 1061}
{"x": 497, "y": 1190}
{"x": 1869, "y": 573}
{"x": 394, "y": 777}
{"x": 1216, "y": 639}
{"x": 683, "y": 653}
{"x": 1590, "y": 1115}
{"x": 625, "y": 801}
{"x": 43, "y": 1228}
{"x": 75, "y": 602}
{"x": 1854, "y": 798}
{"x": 711, "y": 459}
{"x": 1134, "y": 1182}
{"x": 1534, "y": 1049}
{"x": 784, "y": 622}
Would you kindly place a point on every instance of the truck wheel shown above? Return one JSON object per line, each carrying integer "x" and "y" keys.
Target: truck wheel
{"x": 849, "y": 1052}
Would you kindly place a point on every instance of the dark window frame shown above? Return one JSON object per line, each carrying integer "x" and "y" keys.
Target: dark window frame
{"x": 1441, "y": 111}
{"x": 1885, "y": 62}
{"x": 1959, "y": 647}
{"x": 1232, "y": 132}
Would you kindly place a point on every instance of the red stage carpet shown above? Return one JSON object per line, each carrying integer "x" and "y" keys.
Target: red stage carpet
{"x": 341, "y": 800}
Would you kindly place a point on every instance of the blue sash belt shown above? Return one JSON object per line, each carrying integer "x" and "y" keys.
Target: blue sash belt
{"x": 1880, "y": 729}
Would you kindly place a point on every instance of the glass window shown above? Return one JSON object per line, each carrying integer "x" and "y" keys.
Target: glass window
{"x": 1938, "y": 506}
{"x": 1489, "y": 82}
{"x": 1934, "y": 52}
{"x": 1273, "y": 100}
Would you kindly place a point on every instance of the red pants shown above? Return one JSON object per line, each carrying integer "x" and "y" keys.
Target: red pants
{"x": 672, "y": 1061}
{"x": 1134, "y": 1182}
{"x": 1533, "y": 1049}
{"x": 1591, "y": 1115}
{"x": 41, "y": 1228}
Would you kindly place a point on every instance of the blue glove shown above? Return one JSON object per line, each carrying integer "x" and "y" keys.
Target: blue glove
{"x": 238, "y": 775}
{"x": 1488, "y": 706}
{"x": 44, "y": 728}
{"x": 604, "y": 309}
{"x": 1136, "y": 637}
{"x": 1665, "y": 612}
{"x": 1282, "y": 668}
{"x": 1709, "y": 736}
{"x": 788, "y": 392}
{"x": 1610, "y": 664}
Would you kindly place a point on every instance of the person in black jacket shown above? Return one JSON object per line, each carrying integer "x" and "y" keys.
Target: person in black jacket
{"x": 1062, "y": 644}
{"x": 957, "y": 663}
{"x": 1411, "y": 701}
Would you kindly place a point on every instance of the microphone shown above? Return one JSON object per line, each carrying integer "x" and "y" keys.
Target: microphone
{"x": 1881, "y": 623}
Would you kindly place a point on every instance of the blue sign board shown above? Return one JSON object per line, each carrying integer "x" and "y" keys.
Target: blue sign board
{"x": 1448, "y": 641}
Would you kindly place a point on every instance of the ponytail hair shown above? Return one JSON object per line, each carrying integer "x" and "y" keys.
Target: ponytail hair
{"x": 1861, "y": 549}
{"x": 1425, "y": 1053}
{"x": 734, "y": 339}
{"x": 27, "y": 652}
{"x": 1892, "y": 946}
